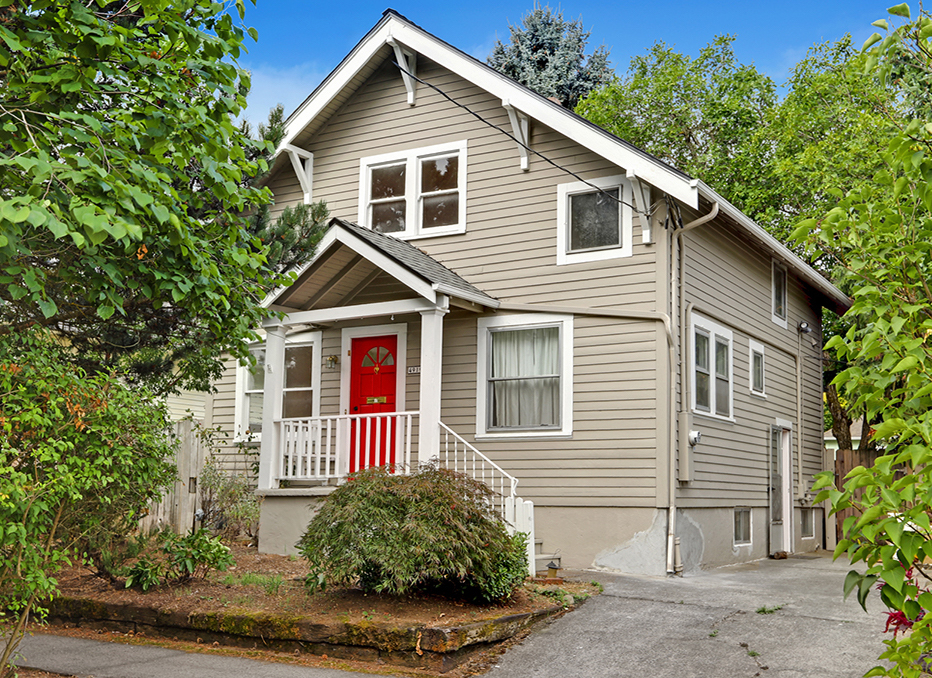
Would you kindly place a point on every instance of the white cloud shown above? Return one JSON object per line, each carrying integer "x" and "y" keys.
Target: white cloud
{"x": 287, "y": 86}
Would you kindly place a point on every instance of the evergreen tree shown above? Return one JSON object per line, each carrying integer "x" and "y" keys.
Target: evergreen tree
{"x": 548, "y": 54}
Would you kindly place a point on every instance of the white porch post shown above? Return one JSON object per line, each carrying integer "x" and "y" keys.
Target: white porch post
{"x": 431, "y": 363}
{"x": 272, "y": 405}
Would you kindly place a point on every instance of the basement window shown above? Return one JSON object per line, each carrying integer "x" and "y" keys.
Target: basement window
{"x": 742, "y": 526}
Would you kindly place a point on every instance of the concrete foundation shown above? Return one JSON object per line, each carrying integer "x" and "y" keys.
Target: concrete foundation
{"x": 284, "y": 516}
{"x": 628, "y": 540}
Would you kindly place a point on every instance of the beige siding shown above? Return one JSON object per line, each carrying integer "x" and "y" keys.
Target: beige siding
{"x": 729, "y": 281}
{"x": 509, "y": 248}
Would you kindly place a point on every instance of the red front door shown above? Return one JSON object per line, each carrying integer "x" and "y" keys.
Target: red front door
{"x": 372, "y": 391}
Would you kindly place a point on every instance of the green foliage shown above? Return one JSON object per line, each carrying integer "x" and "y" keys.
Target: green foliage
{"x": 432, "y": 530}
{"x": 548, "y": 54}
{"x": 194, "y": 555}
{"x": 145, "y": 573}
{"x": 122, "y": 175}
{"x": 229, "y": 504}
{"x": 879, "y": 239}
{"x": 182, "y": 558}
{"x": 763, "y": 609}
{"x": 696, "y": 114}
{"x": 80, "y": 456}
{"x": 271, "y": 583}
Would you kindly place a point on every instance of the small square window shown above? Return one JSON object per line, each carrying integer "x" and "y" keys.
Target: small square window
{"x": 594, "y": 220}
{"x": 742, "y": 526}
{"x": 808, "y": 526}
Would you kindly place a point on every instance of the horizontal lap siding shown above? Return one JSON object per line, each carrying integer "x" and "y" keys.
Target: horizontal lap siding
{"x": 730, "y": 281}
{"x": 231, "y": 456}
{"x": 611, "y": 458}
{"x": 509, "y": 251}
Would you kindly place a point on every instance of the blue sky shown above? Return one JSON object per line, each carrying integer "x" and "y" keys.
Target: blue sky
{"x": 300, "y": 42}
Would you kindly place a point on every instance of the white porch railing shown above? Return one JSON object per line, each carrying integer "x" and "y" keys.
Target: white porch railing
{"x": 310, "y": 449}
{"x": 459, "y": 455}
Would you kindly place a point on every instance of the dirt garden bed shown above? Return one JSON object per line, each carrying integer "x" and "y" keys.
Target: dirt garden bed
{"x": 261, "y": 604}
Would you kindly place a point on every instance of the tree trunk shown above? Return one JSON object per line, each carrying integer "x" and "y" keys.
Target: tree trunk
{"x": 841, "y": 422}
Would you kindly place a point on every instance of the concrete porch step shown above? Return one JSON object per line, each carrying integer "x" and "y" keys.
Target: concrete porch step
{"x": 541, "y": 559}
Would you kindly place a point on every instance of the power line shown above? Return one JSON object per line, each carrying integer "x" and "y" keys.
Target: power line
{"x": 519, "y": 142}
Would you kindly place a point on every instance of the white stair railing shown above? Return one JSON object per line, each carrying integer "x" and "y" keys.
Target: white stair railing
{"x": 457, "y": 454}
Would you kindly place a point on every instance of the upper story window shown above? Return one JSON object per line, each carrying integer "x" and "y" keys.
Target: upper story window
{"x": 712, "y": 368}
{"x": 416, "y": 193}
{"x": 778, "y": 295}
{"x": 593, "y": 225}
{"x": 756, "y": 366}
{"x": 525, "y": 375}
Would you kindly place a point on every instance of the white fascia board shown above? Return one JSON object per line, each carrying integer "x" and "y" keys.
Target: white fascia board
{"x": 338, "y": 236}
{"x": 779, "y": 250}
{"x": 480, "y": 299}
{"x": 598, "y": 141}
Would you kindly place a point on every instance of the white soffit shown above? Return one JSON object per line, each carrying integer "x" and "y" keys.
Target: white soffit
{"x": 600, "y": 142}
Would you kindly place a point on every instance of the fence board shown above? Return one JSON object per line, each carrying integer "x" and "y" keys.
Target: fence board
{"x": 845, "y": 460}
{"x": 177, "y": 507}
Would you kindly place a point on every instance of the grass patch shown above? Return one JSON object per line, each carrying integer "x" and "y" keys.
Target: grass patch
{"x": 768, "y": 610}
{"x": 270, "y": 583}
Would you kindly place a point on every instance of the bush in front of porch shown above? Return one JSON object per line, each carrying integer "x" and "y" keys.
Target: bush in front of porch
{"x": 432, "y": 531}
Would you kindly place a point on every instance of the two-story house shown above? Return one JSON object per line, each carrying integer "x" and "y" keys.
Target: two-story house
{"x": 509, "y": 286}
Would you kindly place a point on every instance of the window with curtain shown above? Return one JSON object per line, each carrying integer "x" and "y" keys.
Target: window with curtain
{"x": 524, "y": 378}
{"x": 298, "y": 393}
{"x": 254, "y": 391}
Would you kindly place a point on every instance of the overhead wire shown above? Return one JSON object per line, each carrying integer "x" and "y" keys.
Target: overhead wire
{"x": 520, "y": 143}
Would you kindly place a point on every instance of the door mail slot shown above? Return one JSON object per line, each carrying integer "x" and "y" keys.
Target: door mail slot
{"x": 375, "y": 400}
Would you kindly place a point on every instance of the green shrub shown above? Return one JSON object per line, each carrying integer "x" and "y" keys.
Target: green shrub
{"x": 433, "y": 530}
{"x": 229, "y": 504}
{"x": 145, "y": 574}
{"x": 193, "y": 556}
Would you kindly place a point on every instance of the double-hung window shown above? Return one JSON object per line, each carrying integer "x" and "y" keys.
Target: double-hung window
{"x": 525, "y": 375}
{"x": 594, "y": 220}
{"x": 778, "y": 293}
{"x": 416, "y": 193}
{"x": 712, "y": 368}
{"x": 299, "y": 393}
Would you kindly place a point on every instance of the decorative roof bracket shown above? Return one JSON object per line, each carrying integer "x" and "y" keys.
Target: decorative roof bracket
{"x": 521, "y": 129}
{"x": 407, "y": 59}
{"x": 303, "y": 163}
{"x": 641, "y": 202}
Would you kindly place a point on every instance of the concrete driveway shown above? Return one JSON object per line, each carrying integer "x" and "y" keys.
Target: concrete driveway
{"x": 707, "y": 625}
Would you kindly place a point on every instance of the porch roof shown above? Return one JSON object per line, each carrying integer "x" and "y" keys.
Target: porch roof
{"x": 412, "y": 267}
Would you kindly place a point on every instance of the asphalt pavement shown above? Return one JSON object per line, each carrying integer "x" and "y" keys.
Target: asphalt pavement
{"x": 777, "y": 619}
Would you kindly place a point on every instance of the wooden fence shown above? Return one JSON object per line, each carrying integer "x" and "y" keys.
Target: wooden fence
{"x": 845, "y": 460}
{"x": 179, "y": 504}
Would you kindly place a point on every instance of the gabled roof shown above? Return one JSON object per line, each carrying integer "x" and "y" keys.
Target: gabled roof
{"x": 375, "y": 47}
{"x": 419, "y": 271}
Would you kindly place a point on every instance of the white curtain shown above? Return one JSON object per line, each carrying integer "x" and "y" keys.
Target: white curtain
{"x": 524, "y": 385}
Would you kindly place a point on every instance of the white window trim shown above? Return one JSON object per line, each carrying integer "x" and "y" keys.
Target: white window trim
{"x": 400, "y": 330}
{"x": 802, "y": 512}
{"x": 564, "y": 192}
{"x": 774, "y": 266}
{"x": 714, "y": 330}
{"x": 756, "y": 347}
{"x": 750, "y": 541}
{"x": 240, "y": 408}
{"x": 525, "y": 321}
{"x": 411, "y": 158}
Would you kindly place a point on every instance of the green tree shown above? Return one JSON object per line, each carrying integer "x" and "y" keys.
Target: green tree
{"x": 548, "y": 54}
{"x": 879, "y": 238}
{"x": 122, "y": 175}
{"x": 80, "y": 457}
{"x": 696, "y": 114}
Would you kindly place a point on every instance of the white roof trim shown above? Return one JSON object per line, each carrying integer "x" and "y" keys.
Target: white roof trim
{"x": 393, "y": 27}
{"x": 779, "y": 250}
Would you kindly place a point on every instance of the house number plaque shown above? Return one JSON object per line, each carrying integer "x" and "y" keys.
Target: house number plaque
{"x": 375, "y": 400}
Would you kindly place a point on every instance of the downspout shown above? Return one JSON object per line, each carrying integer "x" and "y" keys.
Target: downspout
{"x": 678, "y": 314}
